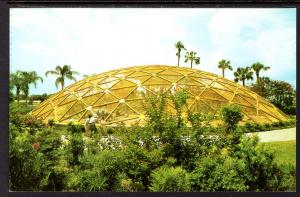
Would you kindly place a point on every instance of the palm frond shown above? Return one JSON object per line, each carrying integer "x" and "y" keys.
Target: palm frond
{"x": 71, "y": 77}
{"x": 58, "y": 81}
{"x": 51, "y": 72}
{"x": 58, "y": 69}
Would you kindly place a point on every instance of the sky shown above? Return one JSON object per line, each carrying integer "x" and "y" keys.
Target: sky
{"x": 95, "y": 40}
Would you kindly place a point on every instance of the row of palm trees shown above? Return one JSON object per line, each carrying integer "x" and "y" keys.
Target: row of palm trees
{"x": 189, "y": 55}
{"x": 244, "y": 74}
{"x": 21, "y": 80}
{"x": 241, "y": 74}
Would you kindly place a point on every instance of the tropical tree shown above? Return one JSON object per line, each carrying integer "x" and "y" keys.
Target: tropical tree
{"x": 279, "y": 93}
{"x": 224, "y": 64}
{"x": 16, "y": 81}
{"x": 243, "y": 74}
{"x": 29, "y": 78}
{"x": 257, "y": 67}
{"x": 62, "y": 73}
{"x": 179, "y": 46}
{"x": 191, "y": 56}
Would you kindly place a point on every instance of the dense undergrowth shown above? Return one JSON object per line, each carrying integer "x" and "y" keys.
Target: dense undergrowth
{"x": 164, "y": 155}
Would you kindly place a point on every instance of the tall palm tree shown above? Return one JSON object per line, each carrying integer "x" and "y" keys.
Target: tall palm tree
{"x": 62, "y": 73}
{"x": 16, "y": 81}
{"x": 243, "y": 74}
{"x": 179, "y": 46}
{"x": 29, "y": 78}
{"x": 191, "y": 56}
{"x": 257, "y": 67}
{"x": 223, "y": 64}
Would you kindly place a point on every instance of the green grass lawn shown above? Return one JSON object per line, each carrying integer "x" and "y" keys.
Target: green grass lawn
{"x": 285, "y": 152}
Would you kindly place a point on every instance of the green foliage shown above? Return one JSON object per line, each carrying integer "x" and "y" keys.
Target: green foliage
{"x": 170, "y": 179}
{"x": 51, "y": 123}
{"x": 26, "y": 169}
{"x": 218, "y": 174}
{"x": 50, "y": 141}
{"x": 73, "y": 128}
{"x": 97, "y": 172}
{"x": 76, "y": 148}
{"x": 41, "y": 97}
{"x": 179, "y": 100}
{"x": 243, "y": 74}
{"x": 169, "y": 153}
{"x": 255, "y": 127}
{"x": 192, "y": 57}
{"x": 63, "y": 72}
{"x": 231, "y": 115}
{"x": 156, "y": 111}
{"x": 279, "y": 93}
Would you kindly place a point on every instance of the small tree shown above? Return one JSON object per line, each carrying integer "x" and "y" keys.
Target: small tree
{"x": 170, "y": 179}
{"x": 224, "y": 64}
{"x": 29, "y": 78}
{"x": 191, "y": 56}
{"x": 243, "y": 74}
{"x": 257, "y": 68}
{"x": 279, "y": 93}
{"x": 231, "y": 115}
{"x": 63, "y": 73}
{"x": 16, "y": 81}
{"x": 179, "y": 46}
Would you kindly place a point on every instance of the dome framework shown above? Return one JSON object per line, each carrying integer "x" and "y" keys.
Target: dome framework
{"x": 117, "y": 96}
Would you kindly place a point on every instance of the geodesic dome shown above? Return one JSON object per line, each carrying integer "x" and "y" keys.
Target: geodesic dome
{"x": 117, "y": 96}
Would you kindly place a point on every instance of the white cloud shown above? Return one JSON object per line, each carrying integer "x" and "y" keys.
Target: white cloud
{"x": 97, "y": 40}
{"x": 272, "y": 42}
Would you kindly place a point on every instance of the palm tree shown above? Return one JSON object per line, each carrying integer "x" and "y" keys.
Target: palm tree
{"x": 223, "y": 64}
{"x": 257, "y": 67}
{"x": 179, "y": 46}
{"x": 191, "y": 56}
{"x": 62, "y": 73}
{"x": 243, "y": 74}
{"x": 16, "y": 81}
{"x": 29, "y": 78}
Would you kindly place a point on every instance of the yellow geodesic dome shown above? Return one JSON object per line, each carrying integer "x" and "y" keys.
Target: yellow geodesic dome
{"x": 117, "y": 96}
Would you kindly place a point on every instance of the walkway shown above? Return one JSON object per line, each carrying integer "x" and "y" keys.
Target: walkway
{"x": 276, "y": 135}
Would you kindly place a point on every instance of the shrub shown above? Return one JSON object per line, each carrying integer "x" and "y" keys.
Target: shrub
{"x": 260, "y": 171}
{"x": 27, "y": 171}
{"x": 170, "y": 179}
{"x": 50, "y": 145}
{"x": 231, "y": 115}
{"x": 73, "y": 128}
{"x": 217, "y": 174}
{"x": 51, "y": 123}
{"x": 126, "y": 184}
{"x": 97, "y": 172}
{"x": 76, "y": 148}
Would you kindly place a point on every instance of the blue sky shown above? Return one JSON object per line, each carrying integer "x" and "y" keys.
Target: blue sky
{"x": 94, "y": 40}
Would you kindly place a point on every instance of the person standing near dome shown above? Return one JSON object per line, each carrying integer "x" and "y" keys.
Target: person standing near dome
{"x": 90, "y": 124}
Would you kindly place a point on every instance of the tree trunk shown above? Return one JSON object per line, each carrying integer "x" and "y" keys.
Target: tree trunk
{"x": 257, "y": 77}
{"x": 178, "y": 60}
{"x": 62, "y": 85}
{"x": 26, "y": 93}
{"x": 18, "y": 94}
{"x": 223, "y": 72}
{"x": 191, "y": 64}
{"x": 243, "y": 82}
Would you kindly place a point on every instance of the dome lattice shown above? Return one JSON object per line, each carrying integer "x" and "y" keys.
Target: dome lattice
{"x": 117, "y": 96}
